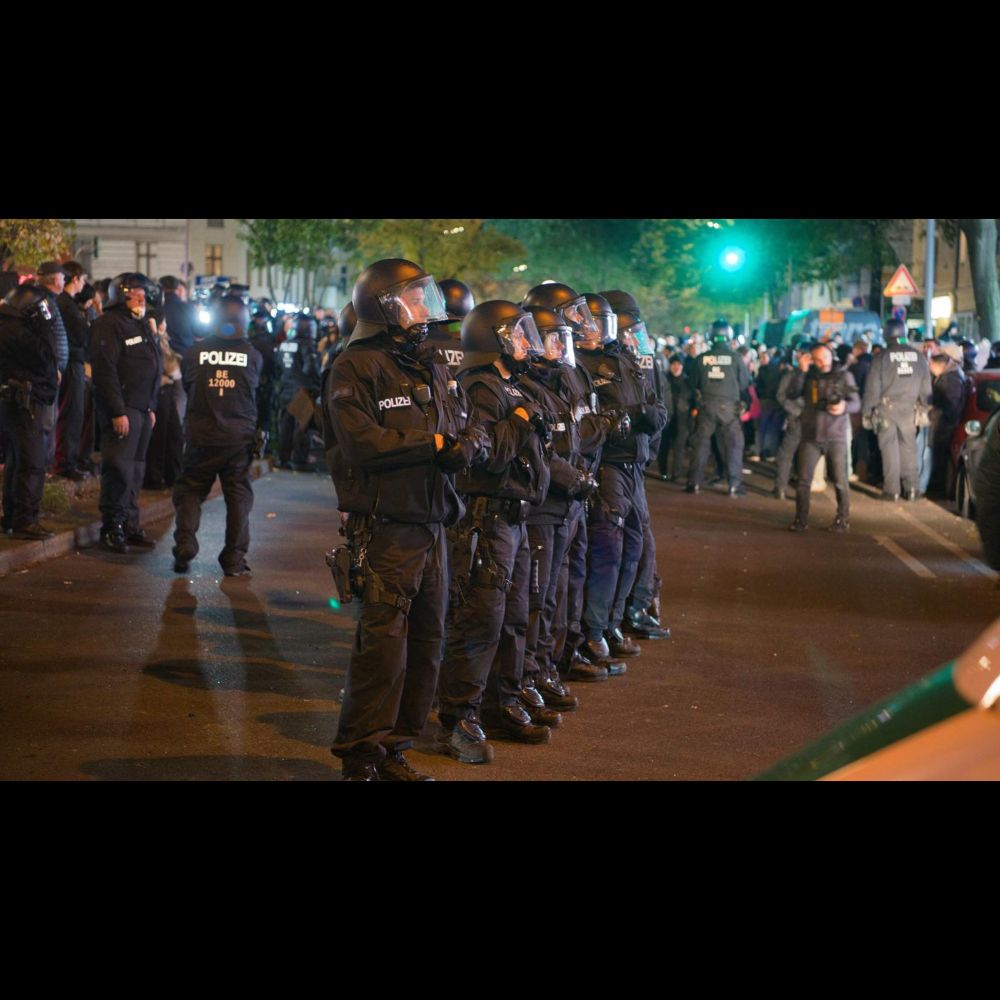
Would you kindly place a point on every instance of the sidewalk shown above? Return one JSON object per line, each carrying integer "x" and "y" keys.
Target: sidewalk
{"x": 71, "y": 510}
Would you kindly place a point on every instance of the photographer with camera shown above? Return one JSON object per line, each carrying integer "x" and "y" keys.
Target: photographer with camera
{"x": 828, "y": 394}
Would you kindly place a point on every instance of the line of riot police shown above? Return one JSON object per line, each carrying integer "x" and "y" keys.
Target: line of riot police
{"x": 488, "y": 463}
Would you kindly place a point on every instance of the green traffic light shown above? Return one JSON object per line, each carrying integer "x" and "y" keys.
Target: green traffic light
{"x": 732, "y": 258}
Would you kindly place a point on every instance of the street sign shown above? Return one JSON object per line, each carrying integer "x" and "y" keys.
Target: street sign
{"x": 902, "y": 283}
{"x": 902, "y": 300}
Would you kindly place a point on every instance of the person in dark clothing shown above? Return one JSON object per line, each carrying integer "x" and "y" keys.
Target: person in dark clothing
{"x": 220, "y": 375}
{"x": 299, "y": 364}
{"x": 165, "y": 456}
{"x": 993, "y": 361}
{"x": 179, "y": 314}
{"x": 620, "y": 515}
{"x": 789, "y": 447}
{"x": 672, "y": 458}
{"x": 897, "y": 388}
{"x": 28, "y": 386}
{"x": 987, "y": 492}
{"x": 949, "y": 392}
{"x": 772, "y": 416}
{"x": 127, "y": 367}
{"x": 482, "y": 675}
{"x": 722, "y": 394}
{"x": 52, "y": 277}
{"x": 73, "y": 389}
{"x": 263, "y": 339}
{"x": 828, "y": 395}
{"x": 403, "y": 432}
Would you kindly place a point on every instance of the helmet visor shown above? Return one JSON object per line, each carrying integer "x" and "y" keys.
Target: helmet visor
{"x": 557, "y": 343}
{"x": 520, "y": 339}
{"x": 607, "y": 324}
{"x": 636, "y": 339}
{"x": 577, "y": 313}
{"x": 414, "y": 303}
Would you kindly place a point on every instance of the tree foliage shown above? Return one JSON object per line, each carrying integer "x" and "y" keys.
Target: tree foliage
{"x": 31, "y": 241}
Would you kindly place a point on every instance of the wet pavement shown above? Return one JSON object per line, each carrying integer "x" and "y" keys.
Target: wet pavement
{"x": 115, "y": 668}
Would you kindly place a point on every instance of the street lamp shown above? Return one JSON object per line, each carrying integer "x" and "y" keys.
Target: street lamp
{"x": 732, "y": 258}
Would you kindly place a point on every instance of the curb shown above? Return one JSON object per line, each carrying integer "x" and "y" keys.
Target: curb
{"x": 85, "y": 535}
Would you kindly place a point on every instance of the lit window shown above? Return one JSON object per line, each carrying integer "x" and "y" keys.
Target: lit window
{"x": 213, "y": 258}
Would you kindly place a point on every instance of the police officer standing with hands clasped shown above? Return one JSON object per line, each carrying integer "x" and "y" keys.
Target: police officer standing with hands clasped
{"x": 897, "y": 392}
{"x": 127, "y": 365}
{"x": 221, "y": 376}
{"x": 403, "y": 433}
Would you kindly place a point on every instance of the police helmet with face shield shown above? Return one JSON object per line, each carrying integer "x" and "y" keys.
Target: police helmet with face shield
{"x": 604, "y": 316}
{"x": 556, "y": 336}
{"x": 31, "y": 303}
{"x": 124, "y": 289}
{"x": 634, "y": 337}
{"x": 565, "y": 301}
{"x": 347, "y": 321}
{"x": 399, "y": 295}
{"x": 457, "y": 297}
{"x": 500, "y": 330}
{"x": 722, "y": 332}
{"x": 622, "y": 302}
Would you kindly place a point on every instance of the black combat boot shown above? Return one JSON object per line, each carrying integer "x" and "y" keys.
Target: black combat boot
{"x": 619, "y": 644}
{"x": 396, "y": 767}
{"x": 113, "y": 539}
{"x": 534, "y": 704}
{"x": 466, "y": 742}
{"x": 513, "y": 723}
{"x": 579, "y": 668}
{"x": 555, "y": 694}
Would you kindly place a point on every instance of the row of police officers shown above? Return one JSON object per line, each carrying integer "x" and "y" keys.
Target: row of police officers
{"x": 488, "y": 463}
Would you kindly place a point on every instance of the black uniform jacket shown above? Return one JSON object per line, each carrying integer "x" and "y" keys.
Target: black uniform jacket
{"x": 26, "y": 356}
{"x": 126, "y": 363}
{"x": 517, "y": 468}
{"x": 385, "y": 434}
{"x": 221, "y": 376}
{"x": 543, "y": 385}
{"x": 77, "y": 327}
{"x": 620, "y": 384}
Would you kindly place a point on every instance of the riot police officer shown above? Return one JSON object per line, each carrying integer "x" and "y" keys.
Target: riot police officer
{"x": 263, "y": 340}
{"x": 299, "y": 364}
{"x": 447, "y": 336}
{"x": 127, "y": 365}
{"x": 593, "y": 324}
{"x": 28, "y": 387}
{"x": 403, "y": 435}
{"x": 897, "y": 390}
{"x": 549, "y": 523}
{"x": 642, "y": 614}
{"x": 491, "y": 565}
{"x": 722, "y": 386}
{"x": 221, "y": 375}
{"x": 620, "y": 512}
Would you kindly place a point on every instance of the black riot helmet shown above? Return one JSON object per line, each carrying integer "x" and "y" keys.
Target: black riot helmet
{"x": 125, "y": 288}
{"x": 622, "y": 302}
{"x": 233, "y": 317}
{"x": 347, "y": 321}
{"x": 399, "y": 295}
{"x": 722, "y": 332}
{"x": 457, "y": 298}
{"x": 30, "y": 302}
{"x": 556, "y": 336}
{"x": 895, "y": 329}
{"x": 565, "y": 301}
{"x": 500, "y": 329}
{"x": 305, "y": 327}
{"x": 605, "y": 318}
{"x": 633, "y": 335}
{"x": 262, "y": 321}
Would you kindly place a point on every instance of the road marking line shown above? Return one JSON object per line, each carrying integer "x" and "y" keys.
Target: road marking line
{"x": 957, "y": 550}
{"x": 904, "y": 557}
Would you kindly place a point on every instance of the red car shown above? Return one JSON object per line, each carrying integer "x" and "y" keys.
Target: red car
{"x": 982, "y": 400}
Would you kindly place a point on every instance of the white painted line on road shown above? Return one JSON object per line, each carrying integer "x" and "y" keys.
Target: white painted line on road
{"x": 957, "y": 550}
{"x": 904, "y": 557}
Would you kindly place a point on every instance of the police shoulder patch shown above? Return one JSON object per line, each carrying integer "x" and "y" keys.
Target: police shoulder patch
{"x": 342, "y": 392}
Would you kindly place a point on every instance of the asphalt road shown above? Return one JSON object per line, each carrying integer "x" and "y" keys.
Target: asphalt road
{"x": 112, "y": 667}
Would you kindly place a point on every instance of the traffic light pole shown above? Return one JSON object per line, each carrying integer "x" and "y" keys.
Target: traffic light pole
{"x": 929, "y": 282}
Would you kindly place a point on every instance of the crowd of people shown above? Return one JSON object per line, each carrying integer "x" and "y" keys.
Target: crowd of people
{"x": 489, "y": 462}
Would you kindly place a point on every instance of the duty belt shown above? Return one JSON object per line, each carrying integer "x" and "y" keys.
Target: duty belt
{"x": 512, "y": 511}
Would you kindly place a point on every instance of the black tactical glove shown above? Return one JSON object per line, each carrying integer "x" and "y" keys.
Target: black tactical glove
{"x": 640, "y": 417}
{"x": 457, "y": 453}
{"x": 542, "y": 428}
{"x": 617, "y": 420}
{"x": 585, "y": 486}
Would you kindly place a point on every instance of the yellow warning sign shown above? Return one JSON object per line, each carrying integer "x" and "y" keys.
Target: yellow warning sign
{"x": 902, "y": 283}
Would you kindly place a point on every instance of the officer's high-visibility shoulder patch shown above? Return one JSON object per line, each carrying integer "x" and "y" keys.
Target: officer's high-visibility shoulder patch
{"x": 342, "y": 392}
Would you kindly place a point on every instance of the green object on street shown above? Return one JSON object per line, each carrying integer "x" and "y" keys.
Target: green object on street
{"x": 902, "y": 714}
